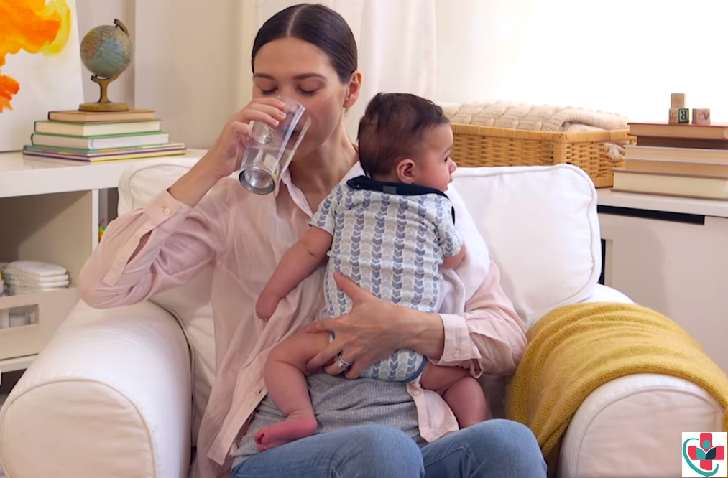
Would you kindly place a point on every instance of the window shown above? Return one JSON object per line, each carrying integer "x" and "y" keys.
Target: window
{"x": 624, "y": 56}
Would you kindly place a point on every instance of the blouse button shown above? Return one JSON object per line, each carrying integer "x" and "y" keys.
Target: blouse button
{"x": 167, "y": 211}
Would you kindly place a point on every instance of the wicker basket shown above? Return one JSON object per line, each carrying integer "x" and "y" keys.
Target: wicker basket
{"x": 477, "y": 146}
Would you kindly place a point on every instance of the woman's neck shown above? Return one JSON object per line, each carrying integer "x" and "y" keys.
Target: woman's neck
{"x": 319, "y": 172}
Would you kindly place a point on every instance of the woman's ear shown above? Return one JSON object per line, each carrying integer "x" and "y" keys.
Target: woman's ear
{"x": 353, "y": 89}
{"x": 406, "y": 171}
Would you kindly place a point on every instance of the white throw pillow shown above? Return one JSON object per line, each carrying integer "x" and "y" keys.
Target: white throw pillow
{"x": 542, "y": 229}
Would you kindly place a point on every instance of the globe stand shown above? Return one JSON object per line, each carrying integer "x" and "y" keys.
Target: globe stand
{"x": 103, "y": 105}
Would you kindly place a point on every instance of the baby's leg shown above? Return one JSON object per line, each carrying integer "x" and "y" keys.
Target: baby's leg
{"x": 285, "y": 378}
{"x": 460, "y": 390}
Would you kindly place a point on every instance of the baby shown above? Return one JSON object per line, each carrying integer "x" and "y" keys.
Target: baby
{"x": 389, "y": 231}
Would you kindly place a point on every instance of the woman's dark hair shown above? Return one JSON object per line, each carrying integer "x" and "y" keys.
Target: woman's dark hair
{"x": 393, "y": 128}
{"x": 315, "y": 24}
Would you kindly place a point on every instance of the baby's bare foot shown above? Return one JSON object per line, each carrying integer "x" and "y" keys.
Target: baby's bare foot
{"x": 293, "y": 428}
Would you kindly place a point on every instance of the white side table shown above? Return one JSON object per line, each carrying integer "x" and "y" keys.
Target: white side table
{"x": 671, "y": 254}
{"x": 49, "y": 211}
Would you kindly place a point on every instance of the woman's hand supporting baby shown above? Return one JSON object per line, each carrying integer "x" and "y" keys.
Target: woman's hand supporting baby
{"x": 373, "y": 330}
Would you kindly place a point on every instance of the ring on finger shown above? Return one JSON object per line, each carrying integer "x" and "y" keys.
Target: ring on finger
{"x": 343, "y": 364}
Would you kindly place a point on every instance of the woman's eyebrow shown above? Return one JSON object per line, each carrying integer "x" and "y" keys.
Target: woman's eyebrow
{"x": 299, "y": 77}
{"x": 304, "y": 76}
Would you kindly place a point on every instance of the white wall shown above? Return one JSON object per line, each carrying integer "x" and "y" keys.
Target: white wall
{"x": 624, "y": 55}
{"x": 186, "y": 65}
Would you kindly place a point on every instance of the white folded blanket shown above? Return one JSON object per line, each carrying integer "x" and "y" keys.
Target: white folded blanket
{"x": 508, "y": 114}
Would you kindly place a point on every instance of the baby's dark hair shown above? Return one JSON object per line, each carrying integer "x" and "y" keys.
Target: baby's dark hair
{"x": 393, "y": 128}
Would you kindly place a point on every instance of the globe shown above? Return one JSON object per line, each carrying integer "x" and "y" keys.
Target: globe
{"x": 106, "y": 51}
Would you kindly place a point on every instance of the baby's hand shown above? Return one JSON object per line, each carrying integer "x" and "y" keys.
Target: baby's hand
{"x": 266, "y": 306}
{"x": 454, "y": 261}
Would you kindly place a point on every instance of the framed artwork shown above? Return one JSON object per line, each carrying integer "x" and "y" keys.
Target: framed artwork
{"x": 40, "y": 65}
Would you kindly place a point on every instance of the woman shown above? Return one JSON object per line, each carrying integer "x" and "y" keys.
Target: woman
{"x": 368, "y": 427}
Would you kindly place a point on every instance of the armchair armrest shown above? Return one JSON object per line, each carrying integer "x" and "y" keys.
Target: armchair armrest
{"x": 609, "y": 387}
{"x": 632, "y": 427}
{"x": 603, "y": 293}
{"x": 110, "y": 395}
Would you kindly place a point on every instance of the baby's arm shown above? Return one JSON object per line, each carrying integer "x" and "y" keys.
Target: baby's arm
{"x": 297, "y": 264}
{"x": 452, "y": 262}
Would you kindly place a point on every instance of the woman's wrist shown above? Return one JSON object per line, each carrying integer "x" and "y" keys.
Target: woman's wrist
{"x": 426, "y": 334}
{"x": 193, "y": 185}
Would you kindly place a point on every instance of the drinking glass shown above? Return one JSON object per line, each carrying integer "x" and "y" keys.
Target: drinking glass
{"x": 271, "y": 149}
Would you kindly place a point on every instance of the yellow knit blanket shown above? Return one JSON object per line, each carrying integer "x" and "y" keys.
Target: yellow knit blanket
{"x": 575, "y": 349}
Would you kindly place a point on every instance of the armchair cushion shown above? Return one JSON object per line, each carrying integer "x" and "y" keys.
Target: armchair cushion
{"x": 542, "y": 229}
{"x": 189, "y": 303}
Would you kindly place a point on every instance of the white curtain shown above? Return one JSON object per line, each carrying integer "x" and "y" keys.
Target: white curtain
{"x": 398, "y": 50}
{"x": 396, "y": 39}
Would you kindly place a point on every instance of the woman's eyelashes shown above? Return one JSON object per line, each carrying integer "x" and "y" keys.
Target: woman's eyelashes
{"x": 302, "y": 91}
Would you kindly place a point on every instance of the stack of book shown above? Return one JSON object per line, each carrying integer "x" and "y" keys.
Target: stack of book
{"x": 101, "y": 136}
{"x": 672, "y": 159}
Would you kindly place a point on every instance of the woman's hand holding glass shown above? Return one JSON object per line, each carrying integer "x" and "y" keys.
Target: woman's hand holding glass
{"x": 226, "y": 154}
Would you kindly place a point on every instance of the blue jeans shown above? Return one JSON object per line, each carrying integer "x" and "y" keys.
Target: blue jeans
{"x": 492, "y": 449}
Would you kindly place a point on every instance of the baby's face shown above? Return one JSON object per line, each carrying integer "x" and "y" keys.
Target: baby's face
{"x": 434, "y": 168}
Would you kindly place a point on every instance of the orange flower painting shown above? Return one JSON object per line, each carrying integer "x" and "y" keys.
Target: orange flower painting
{"x": 33, "y": 26}
{"x": 40, "y": 67}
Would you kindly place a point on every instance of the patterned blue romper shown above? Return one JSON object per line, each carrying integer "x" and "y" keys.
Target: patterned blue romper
{"x": 390, "y": 239}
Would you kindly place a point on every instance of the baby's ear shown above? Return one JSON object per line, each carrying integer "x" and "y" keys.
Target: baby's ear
{"x": 406, "y": 171}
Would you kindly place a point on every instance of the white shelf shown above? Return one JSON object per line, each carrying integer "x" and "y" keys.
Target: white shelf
{"x": 26, "y": 176}
{"x": 17, "y": 363}
{"x": 51, "y": 309}
{"x": 652, "y": 202}
{"x": 49, "y": 211}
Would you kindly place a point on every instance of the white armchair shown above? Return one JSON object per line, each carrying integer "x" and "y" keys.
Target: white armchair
{"x": 119, "y": 393}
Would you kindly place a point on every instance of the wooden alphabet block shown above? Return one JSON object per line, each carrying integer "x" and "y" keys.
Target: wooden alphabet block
{"x": 701, "y": 115}
{"x": 683, "y": 115}
{"x": 673, "y": 118}
{"x": 677, "y": 100}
